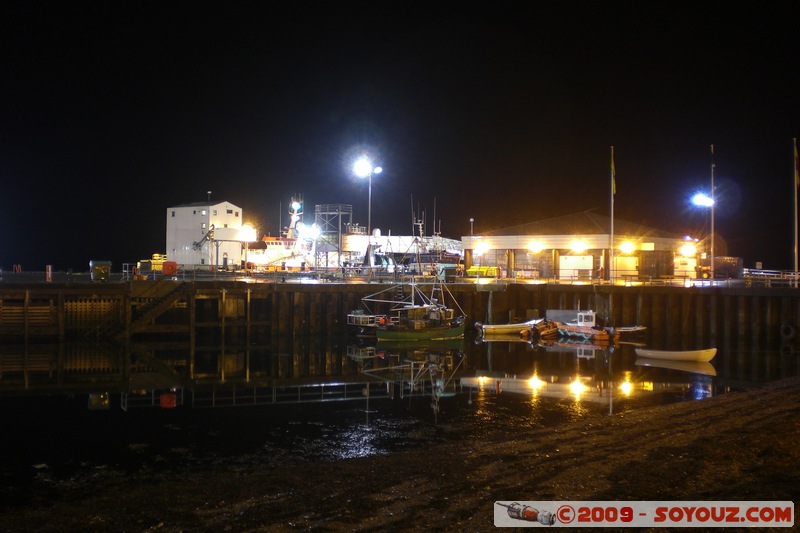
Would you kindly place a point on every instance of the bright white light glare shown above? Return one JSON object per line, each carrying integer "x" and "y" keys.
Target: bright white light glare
{"x": 578, "y": 246}
{"x": 247, "y": 233}
{"x": 362, "y": 168}
{"x": 627, "y": 247}
{"x": 626, "y": 388}
{"x": 480, "y": 249}
{"x": 702, "y": 200}
{"x": 308, "y": 232}
{"x": 535, "y": 247}
{"x": 535, "y": 383}
{"x": 377, "y": 170}
{"x": 577, "y": 387}
{"x": 688, "y": 250}
{"x": 296, "y": 205}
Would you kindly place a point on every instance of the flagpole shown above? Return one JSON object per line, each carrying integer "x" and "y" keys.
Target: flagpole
{"x": 611, "y": 235}
{"x": 611, "y": 266}
{"x": 713, "y": 166}
{"x": 796, "y": 185}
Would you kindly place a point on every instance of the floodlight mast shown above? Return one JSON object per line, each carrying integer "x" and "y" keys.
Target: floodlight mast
{"x": 713, "y": 166}
{"x": 363, "y": 169}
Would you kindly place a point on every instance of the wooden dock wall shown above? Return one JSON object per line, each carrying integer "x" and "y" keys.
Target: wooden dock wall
{"x": 217, "y": 310}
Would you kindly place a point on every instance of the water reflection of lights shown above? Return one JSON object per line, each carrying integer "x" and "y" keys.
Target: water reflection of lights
{"x": 535, "y": 383}
{"x": 577, "y": 387}
{"x": 359, "y": 442}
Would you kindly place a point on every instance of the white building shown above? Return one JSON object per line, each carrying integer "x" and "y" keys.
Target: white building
{"x": 205, "y": 234}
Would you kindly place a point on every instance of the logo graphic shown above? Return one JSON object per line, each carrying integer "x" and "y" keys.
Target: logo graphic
{"x": 518, "y": 511}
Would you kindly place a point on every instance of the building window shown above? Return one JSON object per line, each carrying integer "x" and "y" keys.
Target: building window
{"x": 214, "y": 212}
{"x": 230, "y": 211}
{"x": 173, "y": 214}
{"x": 237, "y": 214}
{"x": 225, "y": 226}
{"x": 203, "y": 225}
{"x": 194, "y": 211}
{"x": 203, "y": 212}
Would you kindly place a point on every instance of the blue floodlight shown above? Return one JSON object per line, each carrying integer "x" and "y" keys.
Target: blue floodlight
{"x": 702, "y": 200}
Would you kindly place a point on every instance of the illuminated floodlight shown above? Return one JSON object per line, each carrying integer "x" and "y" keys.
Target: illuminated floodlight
{"x": 626, "y": 388}
{"x": 688, "y": 250}
{"x": 702, "y": 200}
{"x": 247, "y": 233}
{"x": 362, "y": 167}
{"x": 480, "y": 249}
{"x": 627, "y": 247}
{"x": 535, "y": 247}
{"x": 578, "y": 246}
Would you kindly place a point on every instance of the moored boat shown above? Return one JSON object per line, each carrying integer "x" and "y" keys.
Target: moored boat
{"x": 703, "y": 355}
{"x": 417, "y": 316}
{"x": 584, "y": 327}
{"x": 630, "y": 330}
{"x": 546, "y": 330}
{"x": 522, "y": 329}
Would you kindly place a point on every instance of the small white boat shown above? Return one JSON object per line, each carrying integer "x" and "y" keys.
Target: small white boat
{"x": 630, "y": 329}
{"x": 702, "y": 356}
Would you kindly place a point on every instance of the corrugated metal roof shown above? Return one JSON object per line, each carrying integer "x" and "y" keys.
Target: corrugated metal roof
{"x": 585, "y": 223}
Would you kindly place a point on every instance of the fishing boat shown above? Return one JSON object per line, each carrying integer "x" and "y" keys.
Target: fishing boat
{"x": 294, "y": 250}
{"x": 409, "y": 347}
{"x": 521, "y": 329}
{"x": 413, "y": 315}
{"x": 702, "y": 356}
{"x": 585, "y": 327}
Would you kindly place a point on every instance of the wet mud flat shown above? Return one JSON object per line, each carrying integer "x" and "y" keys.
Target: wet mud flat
{"x": 740, "y": 446}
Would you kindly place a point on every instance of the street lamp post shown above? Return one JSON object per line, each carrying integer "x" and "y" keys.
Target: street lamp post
{"x": 247, "y": 234}
{"x": 363, "y": 169}
{"x": 703, "y": 200}
{"x": 471, "y": 221}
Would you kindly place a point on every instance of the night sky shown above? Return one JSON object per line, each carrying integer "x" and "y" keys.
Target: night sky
{"x": 111, "y": 112}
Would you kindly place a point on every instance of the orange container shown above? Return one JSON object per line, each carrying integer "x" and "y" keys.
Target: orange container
{"x": 168, "y": 400}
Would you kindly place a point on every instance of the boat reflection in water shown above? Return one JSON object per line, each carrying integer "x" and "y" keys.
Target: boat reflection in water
{"x": 303, "y": 370}
{"x": 592, "y": 373}
{"x": 154, "y": 405}
{"x": 411, "y": 369}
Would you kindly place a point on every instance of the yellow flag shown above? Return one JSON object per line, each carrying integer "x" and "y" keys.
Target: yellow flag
{"x": 614, "y": 173}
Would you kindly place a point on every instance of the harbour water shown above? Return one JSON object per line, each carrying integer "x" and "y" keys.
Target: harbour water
{"x": 71, "y": 411}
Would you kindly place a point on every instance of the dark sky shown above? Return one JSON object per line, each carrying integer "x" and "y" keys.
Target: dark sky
{"x": 110, "y": 112}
